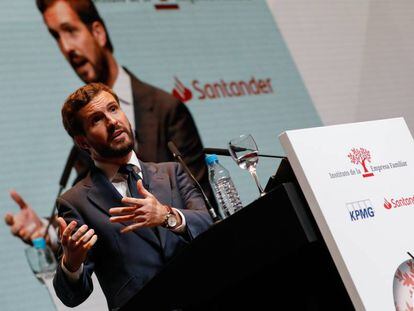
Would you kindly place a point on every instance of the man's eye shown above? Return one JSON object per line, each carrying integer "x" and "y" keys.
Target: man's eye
{"x": 96, "y": 119}
{"x": 113, "y": 109}
{"x": 69, "y": 29}
{"x": 55, "y": 35}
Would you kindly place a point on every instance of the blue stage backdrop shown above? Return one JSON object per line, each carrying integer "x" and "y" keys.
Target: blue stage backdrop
{"x": 225, "y": 59}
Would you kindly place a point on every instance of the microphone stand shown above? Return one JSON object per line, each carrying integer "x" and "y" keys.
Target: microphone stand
{"x": 177, "y": 156}
{"x": 73, "y": 156}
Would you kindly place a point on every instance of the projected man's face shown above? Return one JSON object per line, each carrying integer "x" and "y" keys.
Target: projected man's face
{"x": 82, "y": 45}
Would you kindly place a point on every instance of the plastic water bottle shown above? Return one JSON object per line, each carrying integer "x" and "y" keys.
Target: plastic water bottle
{"x": 41, "y": 259}
{"x": 223, "y": 187}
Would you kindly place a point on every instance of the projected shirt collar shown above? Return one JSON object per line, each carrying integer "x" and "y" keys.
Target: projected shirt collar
{"x": 122, "y": 87}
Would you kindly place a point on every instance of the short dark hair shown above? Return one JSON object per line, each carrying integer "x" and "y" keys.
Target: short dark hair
{"x": 76, "y": 101}
{"x": 86, "y": 11}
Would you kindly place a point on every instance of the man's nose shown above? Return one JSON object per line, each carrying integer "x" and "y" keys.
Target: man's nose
{"x": 66, "y": 46}
{"x": 112, "y": 121}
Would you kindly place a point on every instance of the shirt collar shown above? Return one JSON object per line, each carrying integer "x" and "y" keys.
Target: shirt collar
{"x": 111, "y": 169}
{"x": 122, "y": 87}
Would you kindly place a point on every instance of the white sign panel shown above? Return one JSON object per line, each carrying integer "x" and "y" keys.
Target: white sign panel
{"x": 359, "y": 182}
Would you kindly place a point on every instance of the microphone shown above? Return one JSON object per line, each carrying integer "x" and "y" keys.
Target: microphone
{"x": 177, "y": 155}
{"x": 226, "y": 152}
{"x": 70, "y": 162}
{"x": 218, "y": 151}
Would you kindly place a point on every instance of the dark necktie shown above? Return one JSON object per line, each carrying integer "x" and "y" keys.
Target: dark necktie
{"x": 133, "y": 177}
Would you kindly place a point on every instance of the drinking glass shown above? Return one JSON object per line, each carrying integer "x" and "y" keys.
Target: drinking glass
{"x": 243, "y": 150}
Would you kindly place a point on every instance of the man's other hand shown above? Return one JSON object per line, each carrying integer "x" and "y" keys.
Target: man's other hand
{"x": 75, "y": 246}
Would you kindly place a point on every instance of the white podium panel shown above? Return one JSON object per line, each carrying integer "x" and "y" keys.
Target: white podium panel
{"x": 358, "y": 180}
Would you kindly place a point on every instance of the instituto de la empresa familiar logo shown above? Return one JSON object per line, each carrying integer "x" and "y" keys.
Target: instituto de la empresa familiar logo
{"x": 361, "y": 156}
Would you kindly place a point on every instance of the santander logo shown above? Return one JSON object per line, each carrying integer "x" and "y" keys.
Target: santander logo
{"x": 400, "y": 202}
{"x": 181, "y": 92}
{"x": 387, "y": 204}
{"x": 361, "y": 156}
{"x": 221, "y": 89}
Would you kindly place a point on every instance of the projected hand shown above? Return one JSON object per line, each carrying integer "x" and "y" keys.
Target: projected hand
{"x": 25, "y": 224}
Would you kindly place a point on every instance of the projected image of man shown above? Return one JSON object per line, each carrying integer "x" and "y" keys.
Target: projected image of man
{"x": 156, "y": 116}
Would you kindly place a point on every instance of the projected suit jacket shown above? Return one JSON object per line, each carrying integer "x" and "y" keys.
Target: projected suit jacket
{"x": 123, "y": 263}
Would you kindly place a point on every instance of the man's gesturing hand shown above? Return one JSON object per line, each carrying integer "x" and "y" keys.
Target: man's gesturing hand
{"x": 75, "y": 246}
{"x": 145, "y": 212}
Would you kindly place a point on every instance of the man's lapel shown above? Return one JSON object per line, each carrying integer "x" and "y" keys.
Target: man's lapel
{"x": 102, "y": 193}
{"x": 104, "y": 196}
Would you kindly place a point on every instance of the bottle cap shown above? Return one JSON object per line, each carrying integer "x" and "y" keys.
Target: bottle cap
{"x": 210, "y": 159}
{"x": 39, "y": 243}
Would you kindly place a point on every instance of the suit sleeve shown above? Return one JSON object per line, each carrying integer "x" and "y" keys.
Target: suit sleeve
{"x": 195, "y": 212}
{"x": 72, "y": 293}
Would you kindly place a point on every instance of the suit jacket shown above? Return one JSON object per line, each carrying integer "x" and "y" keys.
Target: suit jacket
{"x": 123, "y": 263}
{"x": 160, "y": 118}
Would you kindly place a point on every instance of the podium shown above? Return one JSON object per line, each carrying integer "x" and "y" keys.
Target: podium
{"x": 266, "y": 256}
{"x": 357, "y": 180}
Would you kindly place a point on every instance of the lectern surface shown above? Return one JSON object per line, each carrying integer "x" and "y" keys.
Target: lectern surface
{"x": 258, "y": 259}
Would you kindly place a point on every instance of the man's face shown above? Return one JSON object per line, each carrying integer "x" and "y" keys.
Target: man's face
{"x": 107, "y": 130}
{"x": 78, "y": 43}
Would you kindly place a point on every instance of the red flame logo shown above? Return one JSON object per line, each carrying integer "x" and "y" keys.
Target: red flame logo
{"x": 387, "y": 204}
{"x": 181, "y": 92}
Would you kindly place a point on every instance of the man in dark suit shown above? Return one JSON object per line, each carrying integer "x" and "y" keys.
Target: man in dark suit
{"x": 125, "y": 237}
{"x": 156, "y": 116}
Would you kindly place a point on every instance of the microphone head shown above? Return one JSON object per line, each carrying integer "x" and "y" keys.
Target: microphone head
{"x": 174, "y": 149}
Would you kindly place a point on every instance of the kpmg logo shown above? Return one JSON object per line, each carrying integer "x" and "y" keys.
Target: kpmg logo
{"x": 403, "y": 201}
{"x": 360, "y": 210}
{"x": 221, "y": 88}
{"x": 361, "y": 156}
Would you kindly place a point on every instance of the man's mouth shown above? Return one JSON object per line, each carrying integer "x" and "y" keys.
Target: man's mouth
{"x": 116, "y": 134}
{"x": 78, "y": 61}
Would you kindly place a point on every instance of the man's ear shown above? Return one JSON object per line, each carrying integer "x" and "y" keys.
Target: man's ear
{"x": 99, "y": 33}
{"x": 81, "y": 141}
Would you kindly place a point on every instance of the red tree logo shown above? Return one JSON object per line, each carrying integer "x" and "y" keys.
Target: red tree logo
{"x": 181, "y": 92}
{"x": 361, "y": 156}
